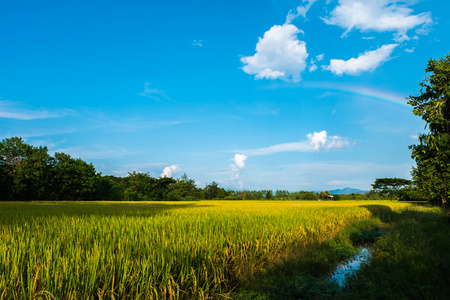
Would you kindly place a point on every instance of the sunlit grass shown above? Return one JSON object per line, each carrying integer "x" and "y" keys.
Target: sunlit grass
{"x": 164, "y": 250}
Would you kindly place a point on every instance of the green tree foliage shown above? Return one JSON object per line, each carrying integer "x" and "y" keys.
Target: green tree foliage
{"x": 432, "y": 154}
{"x": 73, "y": 179}
{"x": 184, "y": 189}
{"x": 25, "y": 170}
{"x": 30, "y": 173}
{"x": 390, "y": 186}
{"x": 211, "y": 191}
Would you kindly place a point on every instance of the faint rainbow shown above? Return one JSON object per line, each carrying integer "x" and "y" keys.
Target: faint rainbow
{"x": 384, "y": 96}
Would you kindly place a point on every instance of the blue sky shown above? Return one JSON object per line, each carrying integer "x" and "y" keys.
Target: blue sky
{"x": 296, "y": 95}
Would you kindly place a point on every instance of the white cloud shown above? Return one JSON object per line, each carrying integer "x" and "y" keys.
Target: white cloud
{"x": 379, "y": 16}
{"x": 368, "y": 61}
{"x": 10, "y": 110}
{"x": 317, "y": 141}
{"x": 238, "y": 165}
{"x": 287, "y": 147}
{"x": 410, "y": 50}
{"x": 300, "y": 11}
{"x": 239, "y": 160}
{"x": 198, "y": 43}
{"x": 320, "y": 141}
{"x": 312, "y": 68}
{"x": 155, "y": 94}
{"x": 320, "y": 57}
{"x": 169, "y": 171}
{"x": 279, "y": 54}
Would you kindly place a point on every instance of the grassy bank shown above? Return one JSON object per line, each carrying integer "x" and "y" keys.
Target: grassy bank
{"x": 410, "y": 260}
{"x": 188, "y": 250}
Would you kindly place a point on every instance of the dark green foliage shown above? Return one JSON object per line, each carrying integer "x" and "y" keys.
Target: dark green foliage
{"x": 30, "y": 173}
{"x": 73, "y": 179}
{"x": 411, "y": 261}
{"x": 366, "y": 237}
{"x": 25, "y": 170}
{"x": 213, "y": 191}
{"x": 432, "y": 154}
{"x": 390, "y": 186}
{"x": 184, "y": 189}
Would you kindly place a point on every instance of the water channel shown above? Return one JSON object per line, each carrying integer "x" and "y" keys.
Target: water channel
{"x": 352, "y": 265}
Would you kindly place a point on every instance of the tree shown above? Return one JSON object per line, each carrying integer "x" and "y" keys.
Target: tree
{"x": 73, "y": 179}
{"x": 390, "y": 186}
{"x": 211, "y": 190}
{"x": 432, "y": 154}
{"x": 139, "y": 186}
{"x": 25, "y": 168}
{"x": 184, "y": 189}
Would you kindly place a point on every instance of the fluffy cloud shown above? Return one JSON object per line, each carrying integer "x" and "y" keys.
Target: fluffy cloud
{"x": 368, "y": 61}
{"x": 320, "y": 141}
{"x": 238, "y": 165}
{"x": 317, "y": 139}
{"x": 279, "y": 54}
{"x": 170, "y": 171}
{"x": 379, "y": 16}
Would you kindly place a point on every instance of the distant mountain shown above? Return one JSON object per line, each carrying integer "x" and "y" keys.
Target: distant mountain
{"x": 347, "y": 190}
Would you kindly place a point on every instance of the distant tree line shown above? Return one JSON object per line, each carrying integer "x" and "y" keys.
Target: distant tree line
{"x": 30, "y": 173}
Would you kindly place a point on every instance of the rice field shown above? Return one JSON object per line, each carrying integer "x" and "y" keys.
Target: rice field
{"x": 157, "y": 250}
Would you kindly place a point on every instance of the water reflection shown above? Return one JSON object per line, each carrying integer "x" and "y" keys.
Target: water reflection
{"x": 352, "y": 265}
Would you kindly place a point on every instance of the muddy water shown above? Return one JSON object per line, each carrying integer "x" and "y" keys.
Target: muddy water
{"x": 349, "y": 267}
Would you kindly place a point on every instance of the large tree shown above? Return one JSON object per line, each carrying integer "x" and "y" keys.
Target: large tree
{"x": 25, "y": 170}
{"x": 432, "y": 154}
{"x": 390, "y": 186}
{"x": 73, "y": 179}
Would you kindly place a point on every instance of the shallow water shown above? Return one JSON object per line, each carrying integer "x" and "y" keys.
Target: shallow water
{"x": 349, "y": 267}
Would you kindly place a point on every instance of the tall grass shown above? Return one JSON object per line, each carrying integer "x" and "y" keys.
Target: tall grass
{"x": 98, "y": 250}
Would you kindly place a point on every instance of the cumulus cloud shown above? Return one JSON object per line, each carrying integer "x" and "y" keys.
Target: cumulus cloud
{"x": 320, "y": 141}
{"x": 279, "y": 54}
{"x": 316, "y": 142}
{"x": 368, "y": 61}
{"x": 379, "y": 16}
{"x": 238, "y": 165}
{"x": 169, "y": 171}
{"x": 317, "y": 139}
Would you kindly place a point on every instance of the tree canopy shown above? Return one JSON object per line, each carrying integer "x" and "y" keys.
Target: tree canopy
{"x": 432, "y": 154}
{"x": 390, "y": 186}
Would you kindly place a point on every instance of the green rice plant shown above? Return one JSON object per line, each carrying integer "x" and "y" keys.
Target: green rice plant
{"x": 183, "y": 250}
